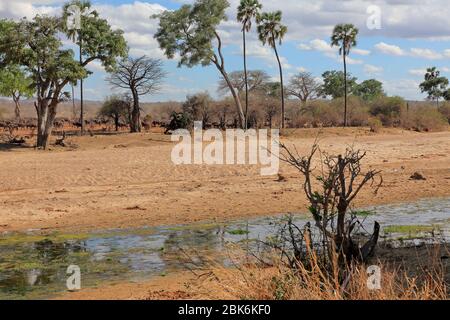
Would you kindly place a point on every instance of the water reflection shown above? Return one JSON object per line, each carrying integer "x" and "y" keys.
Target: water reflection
{"x": 37, "y": 269}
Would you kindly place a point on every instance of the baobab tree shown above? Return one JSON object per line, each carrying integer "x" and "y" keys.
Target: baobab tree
{"x": 191, "y": 32}
{"x": 142, "y": 76}
{"x": 303, "y": 86}
{"x": 344, "y": 37}
{"x": 271, "y": 31}
{"x": 256, "y": 81}
{"x": 247, "y": 11}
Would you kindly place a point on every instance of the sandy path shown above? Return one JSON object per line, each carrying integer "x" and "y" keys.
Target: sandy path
{"x": 129, "y": 180}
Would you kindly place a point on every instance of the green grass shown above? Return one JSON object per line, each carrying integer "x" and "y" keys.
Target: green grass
{"x": 239, "y": 232}
{"x": 363, "y": 213}
{"x": 409, "y": 229}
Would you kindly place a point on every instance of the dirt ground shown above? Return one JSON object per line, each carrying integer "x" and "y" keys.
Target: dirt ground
{"x": 120, "y": 181}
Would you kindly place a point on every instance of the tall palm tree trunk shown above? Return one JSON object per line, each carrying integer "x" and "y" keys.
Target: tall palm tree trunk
{"x": 345, "y": 90}
{"x": 81, "y": 90}
{"x": 282, "y": 86}
{"x": 245, "y": 76}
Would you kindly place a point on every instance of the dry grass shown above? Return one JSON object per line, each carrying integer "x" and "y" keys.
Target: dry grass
{"x": 278, "y": 282}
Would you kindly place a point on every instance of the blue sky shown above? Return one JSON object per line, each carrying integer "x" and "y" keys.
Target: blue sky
{"x": 414, "y": 35}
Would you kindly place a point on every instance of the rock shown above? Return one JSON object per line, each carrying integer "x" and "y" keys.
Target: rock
{"x": 417, "y": 176}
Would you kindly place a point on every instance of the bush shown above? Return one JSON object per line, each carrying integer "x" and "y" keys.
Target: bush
{"x": 445, "y": 110}
{"x": 375, "y": 124}
{"x": 424, "y": 118}
{"x": 388, "y": 109}
{"x": 357, "y": 111}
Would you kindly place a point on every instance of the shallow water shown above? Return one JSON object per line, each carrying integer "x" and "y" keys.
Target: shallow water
{"x": 34, "y": 266}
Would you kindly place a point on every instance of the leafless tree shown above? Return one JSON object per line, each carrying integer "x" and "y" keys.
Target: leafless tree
{"x": 270, "y": 107}
{"x": 330, "y": 191}
{"x": 303, "y": 86}
{"x": 256, "y": 81}
{"x": 141, "y": 76}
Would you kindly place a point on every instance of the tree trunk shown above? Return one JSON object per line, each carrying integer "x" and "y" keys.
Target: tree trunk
{"x": 81, "y": 89}
{"x": 46, "y": 116}
{"x": 17, "y": 108}
{"x": 237, "y": 101}
{"x": 283, "y": 118}
{"x": 135, "y": 125}
{"x": 116, "y": 123}
{"x": 345, "y": 89}
{"x": 246, "y": 78}
{"x": 221, "y": 67}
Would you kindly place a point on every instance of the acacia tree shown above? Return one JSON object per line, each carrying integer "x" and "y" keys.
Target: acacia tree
{"x": 303, "y": 86}
{"x": 190, "y": 32}
{"x": 434, "y": 84}
{"x": 115, "y": 108}
{"x": 247, "y": 10}
{"x": 271, "y": 31}
{"x": 16, "y": 84}
{"x": 344, "y": 37}
{"x": 35, "y": 45}
{"x": 141, "y": 76}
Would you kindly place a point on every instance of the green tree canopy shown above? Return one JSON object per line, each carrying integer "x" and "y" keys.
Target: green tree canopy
{"x": 14, "y": 83}
{"x": 434, "y": 85}
{"x": 333, "y": 84}
{"x": 99, "y": 41}
{"x": 191, "y": 32}
{"x": 36, "y": 46}
{"x": 369, "y": 90}
{"x": 115, "y": 108}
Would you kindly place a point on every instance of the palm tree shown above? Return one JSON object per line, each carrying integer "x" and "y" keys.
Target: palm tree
{"x": 344, "y": 37}
{"x": 76, "y": 36}
{"x": 247, "y": 10}
{"x": 270, "y": 30}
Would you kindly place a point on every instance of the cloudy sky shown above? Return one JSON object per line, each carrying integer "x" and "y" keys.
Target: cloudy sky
{"x": 414, "y": 35}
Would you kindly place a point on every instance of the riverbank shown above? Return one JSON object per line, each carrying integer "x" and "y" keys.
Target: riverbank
{"x": 214, "y": 284}
{"x": 128, "y": 180}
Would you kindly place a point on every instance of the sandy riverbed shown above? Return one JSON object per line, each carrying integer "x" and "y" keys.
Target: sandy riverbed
{"x": 129, "y": 180}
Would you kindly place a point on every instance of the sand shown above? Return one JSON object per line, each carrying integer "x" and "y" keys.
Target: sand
{"x": 129, "y": 180}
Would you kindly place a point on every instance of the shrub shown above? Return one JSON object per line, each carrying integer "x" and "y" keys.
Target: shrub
{"x": 424, "y": 118}
{"x": 375, "y": 124}
{"x": 445, "y": 110}
{"x": 357, "y": 111}
{"x": 388, "y": 109}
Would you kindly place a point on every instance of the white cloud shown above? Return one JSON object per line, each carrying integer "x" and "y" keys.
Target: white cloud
{"x": 257, "y": 50}
{"x": 425, "y": 54}
{"x": 361, "y": 52}
{"x": 372, "y": 70}
{"x": 389, "y": 49}
{"x": 417, "y": 72}
{"x": 329, "y": 51}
